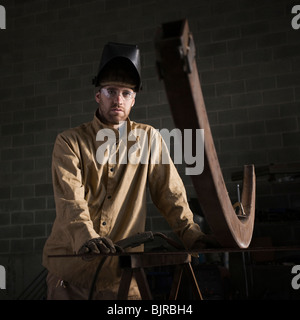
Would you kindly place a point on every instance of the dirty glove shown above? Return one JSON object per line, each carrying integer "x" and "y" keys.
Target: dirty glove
{"x": 96, "y": 246}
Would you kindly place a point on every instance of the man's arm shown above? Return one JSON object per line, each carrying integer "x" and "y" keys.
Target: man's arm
{"x": 168, "y": 194}
{"x": 71, "y": 207}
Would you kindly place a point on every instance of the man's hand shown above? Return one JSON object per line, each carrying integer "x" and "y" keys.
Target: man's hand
{"x": 96, "y": 246}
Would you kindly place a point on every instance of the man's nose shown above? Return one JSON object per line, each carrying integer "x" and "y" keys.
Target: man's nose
{"x": 118, "y": 97}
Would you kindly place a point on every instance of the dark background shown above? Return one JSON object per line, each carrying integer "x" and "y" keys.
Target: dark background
{"x": 248, "y": 57}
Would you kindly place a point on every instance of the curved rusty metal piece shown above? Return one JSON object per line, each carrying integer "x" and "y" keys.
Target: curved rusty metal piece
{"x": 177, "y": 67}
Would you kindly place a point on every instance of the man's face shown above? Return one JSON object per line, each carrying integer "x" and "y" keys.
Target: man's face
{"x": 115, "y": 104}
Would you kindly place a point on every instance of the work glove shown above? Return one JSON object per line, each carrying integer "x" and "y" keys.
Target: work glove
{"x": 96, "y": 246}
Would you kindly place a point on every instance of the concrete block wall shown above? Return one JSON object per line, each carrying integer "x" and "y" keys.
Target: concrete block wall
{"x": 248, "y": 56}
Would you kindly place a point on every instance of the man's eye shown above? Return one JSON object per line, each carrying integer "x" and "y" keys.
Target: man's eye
{"x": 127, "y": 94}
{"x": 111, "y": 92}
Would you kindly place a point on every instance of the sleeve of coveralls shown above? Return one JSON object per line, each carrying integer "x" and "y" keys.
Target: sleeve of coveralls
{"x": 71, "y": 207}
{"x": 168, "y": 194}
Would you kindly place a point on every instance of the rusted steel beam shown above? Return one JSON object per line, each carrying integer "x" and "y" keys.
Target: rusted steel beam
{"x": 195, "y": 251}
{"x": 177, "y": 67}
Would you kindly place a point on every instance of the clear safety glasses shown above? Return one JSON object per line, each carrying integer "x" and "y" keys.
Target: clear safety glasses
{"x": 112, "y": 93}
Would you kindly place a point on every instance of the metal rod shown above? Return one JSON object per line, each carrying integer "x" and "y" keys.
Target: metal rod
{"x": 245, "y": 275}
{"x": 238, "y": 193}
{"x": 212, "y": 250}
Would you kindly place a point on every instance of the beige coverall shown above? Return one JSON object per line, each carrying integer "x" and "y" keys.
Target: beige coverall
{"x": 96, "y": 199}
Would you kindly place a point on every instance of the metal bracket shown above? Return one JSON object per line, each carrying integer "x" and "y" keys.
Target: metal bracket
{"x": 188, "y": 54}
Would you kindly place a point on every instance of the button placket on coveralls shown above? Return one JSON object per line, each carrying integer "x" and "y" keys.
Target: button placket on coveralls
{"x": 106, "y": 219}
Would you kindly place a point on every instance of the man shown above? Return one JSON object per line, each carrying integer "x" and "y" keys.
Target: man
{"x": 100, "y": 171}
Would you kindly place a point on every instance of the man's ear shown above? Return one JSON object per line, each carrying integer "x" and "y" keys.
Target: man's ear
{"x": 133, "y": 102}
{"x": 97, "y": 96}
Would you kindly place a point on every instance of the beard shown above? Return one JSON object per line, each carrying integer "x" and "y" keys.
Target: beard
{"x": 111, "y": 114}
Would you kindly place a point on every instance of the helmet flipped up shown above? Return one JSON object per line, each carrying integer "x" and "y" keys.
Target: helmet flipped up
{"x": 120, "y": 65}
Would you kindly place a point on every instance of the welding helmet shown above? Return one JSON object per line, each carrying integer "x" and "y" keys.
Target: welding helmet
{"x": 120, "y": 65}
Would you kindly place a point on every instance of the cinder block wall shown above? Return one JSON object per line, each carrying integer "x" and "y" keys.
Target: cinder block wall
{"x": 248, "y": 56}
